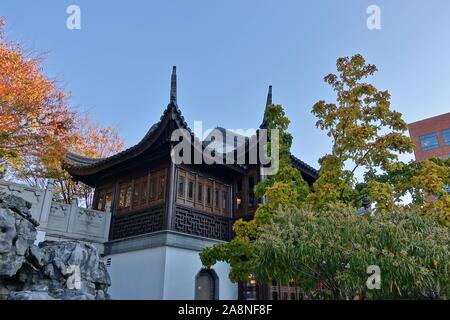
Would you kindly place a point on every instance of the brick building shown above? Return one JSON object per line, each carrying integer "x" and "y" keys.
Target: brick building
{"x": 431, "y": 137}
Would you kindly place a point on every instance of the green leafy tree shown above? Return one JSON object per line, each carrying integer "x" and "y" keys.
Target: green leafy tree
{"x": 365, "y": 133}
{"x": 327, "y": 254}
{"x": 283, "y": 190}
{"x": 427, "y": 182}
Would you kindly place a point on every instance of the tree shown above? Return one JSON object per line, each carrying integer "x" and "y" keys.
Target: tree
{"x": 87, "y": 139}
{"x": 283, "y": 190}
{"x": 365, "y": 133}
{"x": 34, "y": 117}
{"x": 427, "y": 182}
{"x": 327, "y": 254}
{"x": 326, "y": 249}
{"x": 37, "y": 127}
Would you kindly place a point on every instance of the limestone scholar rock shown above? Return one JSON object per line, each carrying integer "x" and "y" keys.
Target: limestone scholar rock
{"x": 66, "y": 270}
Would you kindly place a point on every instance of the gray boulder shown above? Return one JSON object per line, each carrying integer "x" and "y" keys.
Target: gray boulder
{"x": 17, "y": 235}
{"x": 67, "y": 270}
{"x": 30, "y": 295}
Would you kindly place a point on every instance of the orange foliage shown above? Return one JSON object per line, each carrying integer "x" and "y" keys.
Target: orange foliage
{"x": 92, "y": 141}
{"x": 37, "y": 127}
{"x": 34, "y": 116}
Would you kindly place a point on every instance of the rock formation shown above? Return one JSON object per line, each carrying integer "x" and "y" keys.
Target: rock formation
{"x": 53, "y": 270}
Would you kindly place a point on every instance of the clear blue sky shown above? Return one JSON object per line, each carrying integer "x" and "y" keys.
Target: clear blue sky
{"x": 228, "y": 52}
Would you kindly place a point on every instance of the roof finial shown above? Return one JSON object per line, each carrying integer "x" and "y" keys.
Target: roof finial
{"x": 268, "y": 103}
{"x": 173, "y": 86}
{"x": 269, "y": 97}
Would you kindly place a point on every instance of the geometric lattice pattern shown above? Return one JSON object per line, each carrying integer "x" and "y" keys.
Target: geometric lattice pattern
{"x": 191, "y": 221}
{"x": 136, "y": 224}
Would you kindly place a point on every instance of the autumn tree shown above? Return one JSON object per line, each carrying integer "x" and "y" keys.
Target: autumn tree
{"x": 426, "y": 182}
{"x": 37, "y": 127}
{"x": 34, "y": 117}
{"x": 284, "y": 190}
{"x": 366, "y": 133}
{"x": 87, "y": 139}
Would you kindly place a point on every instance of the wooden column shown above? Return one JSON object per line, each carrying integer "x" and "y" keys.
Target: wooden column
{"x": 171, "y": 195}
{"x": 114, "y": 205}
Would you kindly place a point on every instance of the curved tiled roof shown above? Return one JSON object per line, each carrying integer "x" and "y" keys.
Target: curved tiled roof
{"x": 306, "y": 167}
{"x": 84, "y": 166}
{"x": 75, "y": 161}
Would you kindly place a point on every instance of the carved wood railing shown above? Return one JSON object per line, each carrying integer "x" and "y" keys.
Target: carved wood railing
{"x": 191, "y": 221}
{"x": 134, "y": 224}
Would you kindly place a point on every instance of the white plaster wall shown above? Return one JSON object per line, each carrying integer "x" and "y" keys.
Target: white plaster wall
{"x": 162, "y": 273}
{"x": 182, "y": 266}
{"x": 137, "y": 275}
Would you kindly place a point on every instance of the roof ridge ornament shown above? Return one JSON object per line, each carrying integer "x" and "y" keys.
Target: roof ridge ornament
{"x": 269, "y": 97}
{"x": 173, "y": 86}
{"x": 268, "y": 103}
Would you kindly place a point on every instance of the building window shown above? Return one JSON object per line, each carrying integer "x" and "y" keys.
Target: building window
{"x": 162, "y": 187}
{"x": 446, "y": 136}
{"x": 191, "y": 190}
{"x": 239, "y": 194}
{"x": 200, "y": 193}
{"x": 225, "y": 201}
{"x": 181, "y": 186}
{"x": 281, "y": 291}
{"x": 251, "y": 193}
{"x": 140, "y": 192}
{"x": 208, "y": 196}
{"x": 108, "y": 200}
{"x": 101, "y": 202}
{"x": 153, "y": 188}
{"x": 429, "y": 142}
{"x": 249, "y": 290}
{"x": 125, "y": 195}
{"x": 216, "y": 199}
{"x": 104, "y": 199}
{"x": 144, "y": 189}
{"x": 136, "y": 194}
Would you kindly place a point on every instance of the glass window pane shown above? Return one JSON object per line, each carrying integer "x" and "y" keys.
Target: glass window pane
{"x": 208, "y": 196}
{"x": 101, "y": 202}
{"x": 153, "y": 191}
{"x": 191, "y": 189}
{"x": 200, "y": 193}
{"x": 251, "y": 194}
{"x": 162, "y": 187}
{"x": 108, "y": 199}
{"x": 216, "y": 199}
{"x": 225, "y": 200}
{"x": 122, "y": 196}
{"x": 136, "y": 193}
{"x": 144, "y": 192}
{"x": 180, "y": 186}
{"x": 239, "y": 191}
{"x": 446, "y": 136}
{"x": 128, "y": 196}
{"x": 429, "y": 142}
